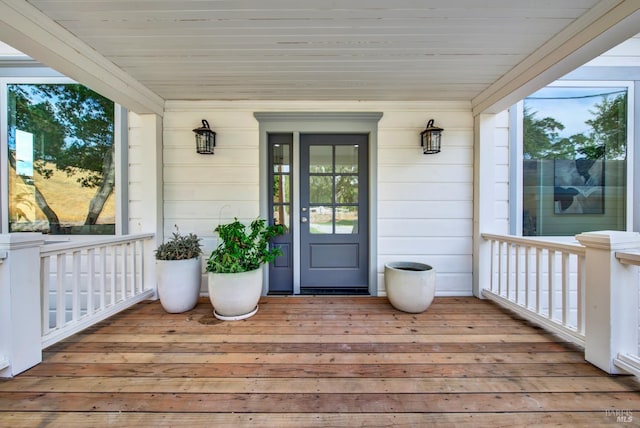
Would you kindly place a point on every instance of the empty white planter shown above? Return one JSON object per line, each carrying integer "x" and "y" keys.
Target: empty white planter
{"x": 410, "y": 286}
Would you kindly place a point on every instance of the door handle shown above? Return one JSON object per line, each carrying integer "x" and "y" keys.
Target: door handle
{"x": 303, "y": 219}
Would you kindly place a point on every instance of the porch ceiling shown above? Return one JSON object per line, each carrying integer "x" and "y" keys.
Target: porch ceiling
{"x": 309, "y": 49}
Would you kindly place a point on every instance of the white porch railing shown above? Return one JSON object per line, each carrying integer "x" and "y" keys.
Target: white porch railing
{"x": 543, "y": 281}
{"x": 49, "y": 291}
{"x": 624, "y": 360}
{"x": 585, "y": 292}
{"x": 83, "y": 283}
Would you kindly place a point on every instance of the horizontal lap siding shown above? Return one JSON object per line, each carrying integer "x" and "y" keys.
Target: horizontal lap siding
{"x": 136, "y": 171}
{"x": 424, "y": 202}
{"x": 501, "y": 173}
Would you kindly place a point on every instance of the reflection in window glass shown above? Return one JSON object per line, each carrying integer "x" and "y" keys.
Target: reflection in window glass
{"x": 321, "y": 220}
{"x": 61, "y": 159}
{"x": 321, "y": 189}
{"x": 347, "y": 220}
{"x": 347, "y": 189}
{"x": 281, "y": 192}
{"x": 321, "y": 159}
{"x": 347, "y": 159}
{"x": 282, "y": 215}
{"x": 574, "y": 160}
{"x": 281, "y": 158}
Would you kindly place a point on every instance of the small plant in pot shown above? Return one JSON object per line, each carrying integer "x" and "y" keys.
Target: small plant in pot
{"x": 235, "y": 267}
{"x": 179, "y": 270}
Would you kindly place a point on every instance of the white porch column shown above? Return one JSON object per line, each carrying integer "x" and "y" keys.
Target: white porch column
{"x": 20, "y": 303}
{"x": 146, "y": 204}
{"x": 483, "y": 198}
{"x": 611, "y": 324}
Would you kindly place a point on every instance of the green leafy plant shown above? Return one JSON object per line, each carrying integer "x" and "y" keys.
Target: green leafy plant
{"x": 179, "y": 247}
{"x": 242, "y": 249}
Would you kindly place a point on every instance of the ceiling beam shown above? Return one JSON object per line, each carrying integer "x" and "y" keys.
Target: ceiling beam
{"x": 27, "y": 29}
{"x": 603, "y": 27}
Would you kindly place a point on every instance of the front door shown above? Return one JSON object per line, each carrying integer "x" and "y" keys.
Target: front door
{"x": 334, "y": 225}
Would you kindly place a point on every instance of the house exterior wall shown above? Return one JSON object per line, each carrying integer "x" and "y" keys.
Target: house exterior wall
{"x": 144, "y": 177}
{"x": 623, "y": 55}
{"x": 424, "y": 202}
{"x": 503, "y": 184}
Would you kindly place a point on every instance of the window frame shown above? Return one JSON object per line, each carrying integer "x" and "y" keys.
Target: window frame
{"x": 516, "y": 116}
{"x": 120, "y": 146}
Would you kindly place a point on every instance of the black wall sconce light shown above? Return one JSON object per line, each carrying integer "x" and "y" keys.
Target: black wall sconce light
{"x": 430, "y": 139}
{"x": 205, "y": 139}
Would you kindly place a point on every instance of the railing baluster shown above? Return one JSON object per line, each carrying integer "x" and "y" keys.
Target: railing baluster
{"x": 75, "y": 285}
{"x": 123, "y": 275}
{"x": 134, "y": 268}
{"x": 508, "y": 253}
{"x": 91, "y": 273}
{"x": 500, "y": 245}
{"x": 538, "y": 279}
{"x": 565, "y": 287}
{"x": 45, "y": 284}
{"x": 114, "y": 273}
{"x": 102, "y": 250}
{"x": 517, "y": 273}
{"x": 61, "y": 306}
{"x": 142, "y": 272}
{"x": 526, "y": 276}
{"x": 492, "y": 281}
{"x": 551, "y": 269}
{"x": 581, "y": 285}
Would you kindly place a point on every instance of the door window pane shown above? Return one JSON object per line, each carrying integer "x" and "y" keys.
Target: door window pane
{"x": 347, "y": 220}
{"x": 321, "y": 220}
{"x": 282, "y": 215}
{"x": 320, "y": 189}
{"x": 347, "y": 189}
{"x": 347, "y": 159}
{"x": 281, "y": 191}
{"x": 281, "y": 158}
{"x": 61, "y": 159}
{"x": 574, "y": 160}
{"x": 321, "y": 159}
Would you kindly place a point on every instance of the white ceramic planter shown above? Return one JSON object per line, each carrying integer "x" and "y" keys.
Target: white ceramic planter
{"x": 410, "y": 286}
{"x": 178, "y": 284}
{"x": 235, "y": 296}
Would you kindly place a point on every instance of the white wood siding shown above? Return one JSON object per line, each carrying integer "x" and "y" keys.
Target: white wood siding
{"x": 501, "y": 173}
{"x": 626, "y": 54}
{"x": 145, "y": 190}
{"x": 424, "y": 201}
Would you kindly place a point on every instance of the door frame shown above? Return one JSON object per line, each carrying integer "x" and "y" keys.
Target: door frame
{"x": 298, "y": 123}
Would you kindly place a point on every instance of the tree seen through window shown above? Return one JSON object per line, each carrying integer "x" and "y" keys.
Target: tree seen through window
{"x": 574, "y": 160}
{"x": 61, "y": 159}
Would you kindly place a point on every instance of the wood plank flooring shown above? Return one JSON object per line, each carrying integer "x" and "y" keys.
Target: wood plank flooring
{"x": 318, "y": 361}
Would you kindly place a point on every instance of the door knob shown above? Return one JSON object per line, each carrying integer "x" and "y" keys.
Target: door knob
{"x": 303, "y": 219}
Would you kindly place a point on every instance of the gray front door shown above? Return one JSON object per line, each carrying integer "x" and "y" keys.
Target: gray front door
{"x": 334, "y": 225}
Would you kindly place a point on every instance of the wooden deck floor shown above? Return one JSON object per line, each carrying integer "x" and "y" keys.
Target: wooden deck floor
{"x": 318, "y": 361}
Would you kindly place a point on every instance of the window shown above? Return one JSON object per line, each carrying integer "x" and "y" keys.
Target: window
{"x": 280, "y": 165}
{"x": 574, "y": 159}
{"x": 61, "y": 174}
